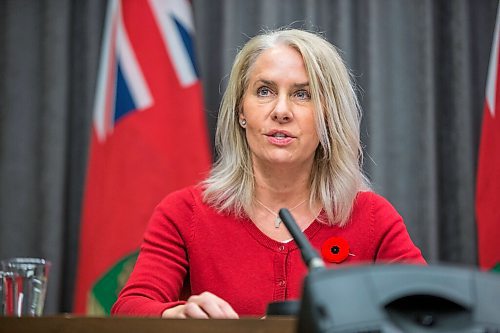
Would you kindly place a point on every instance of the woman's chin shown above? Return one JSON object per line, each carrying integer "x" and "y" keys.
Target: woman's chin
{"x": 284, "y": 161}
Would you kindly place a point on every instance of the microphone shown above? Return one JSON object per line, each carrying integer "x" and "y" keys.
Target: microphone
{"x": 311, "y": 258}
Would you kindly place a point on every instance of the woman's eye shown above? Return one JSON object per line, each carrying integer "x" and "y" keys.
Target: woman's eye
{"x": 264, "y": 91}
{"x": 303, "y": 94}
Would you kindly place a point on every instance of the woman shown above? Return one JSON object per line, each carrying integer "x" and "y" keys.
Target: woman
{"x": 287, "y": 136}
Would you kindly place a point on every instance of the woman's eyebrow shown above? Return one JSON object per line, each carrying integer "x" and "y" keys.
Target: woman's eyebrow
{"x": 301, "y": 85}
{"x": 272, "y": 83}
{"x": 266, "y": 82}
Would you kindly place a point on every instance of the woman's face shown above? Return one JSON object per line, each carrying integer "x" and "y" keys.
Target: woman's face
{"x": 279, "y": 112}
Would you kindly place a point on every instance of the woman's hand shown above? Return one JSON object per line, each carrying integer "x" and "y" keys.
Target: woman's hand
{"x": 203, "y": 306}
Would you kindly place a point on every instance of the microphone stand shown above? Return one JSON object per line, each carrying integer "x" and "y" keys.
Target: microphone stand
{"x": 309, "y": 255}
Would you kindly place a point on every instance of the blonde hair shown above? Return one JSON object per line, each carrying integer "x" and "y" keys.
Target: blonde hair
{"x": 336, "y": 175}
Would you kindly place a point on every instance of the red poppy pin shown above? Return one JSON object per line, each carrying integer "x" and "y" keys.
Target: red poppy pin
{"x": 335, "y": 249}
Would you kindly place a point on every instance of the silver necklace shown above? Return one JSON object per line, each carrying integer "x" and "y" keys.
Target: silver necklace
{"x": 277, "y": 219}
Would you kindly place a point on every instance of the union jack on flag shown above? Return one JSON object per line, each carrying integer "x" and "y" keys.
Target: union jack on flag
{"x": 122, "y": 87}
{"x": 149, "y": 138}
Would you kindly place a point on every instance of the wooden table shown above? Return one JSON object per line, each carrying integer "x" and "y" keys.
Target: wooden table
{"x": 73, "y": 324}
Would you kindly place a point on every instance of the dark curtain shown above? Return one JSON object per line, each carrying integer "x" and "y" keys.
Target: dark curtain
{"x": 420, "y": 66}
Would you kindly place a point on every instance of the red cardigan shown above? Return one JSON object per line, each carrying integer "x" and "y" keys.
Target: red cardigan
{"x": 189, "y": 248}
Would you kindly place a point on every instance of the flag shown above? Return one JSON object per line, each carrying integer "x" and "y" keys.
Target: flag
{"x": 149, "y": 137}
{"x": 488, "y": 176}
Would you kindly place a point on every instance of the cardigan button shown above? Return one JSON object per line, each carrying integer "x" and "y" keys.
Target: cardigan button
{"x": 281, "y": 248}
{"x": 281, "y": 283}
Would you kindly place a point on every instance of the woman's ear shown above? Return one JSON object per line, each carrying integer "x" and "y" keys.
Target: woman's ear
{"x": 242, "y": 120}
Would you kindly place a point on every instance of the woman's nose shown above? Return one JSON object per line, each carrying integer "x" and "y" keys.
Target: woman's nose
{"x": 282, "y": 112}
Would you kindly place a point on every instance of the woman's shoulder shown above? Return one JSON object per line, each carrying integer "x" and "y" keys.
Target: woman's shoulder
{"x": 370, "y": 197}
{"x": 391, "y": 241}
{"x": 188, "y": 193}
{"x": 374, "y": 204}
{"x": 181, "y": 199}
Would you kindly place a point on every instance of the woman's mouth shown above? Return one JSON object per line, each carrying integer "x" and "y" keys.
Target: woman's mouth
{"x": 279, "y": 138}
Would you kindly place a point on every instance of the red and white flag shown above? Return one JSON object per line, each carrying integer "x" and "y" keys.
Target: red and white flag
{"x": 488, "y": 176}
{"x": 149, "y": 137}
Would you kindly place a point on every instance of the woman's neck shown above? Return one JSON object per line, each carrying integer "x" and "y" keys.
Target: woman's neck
{"x": 277, "y": 188}
{"x": 281, "y": 186}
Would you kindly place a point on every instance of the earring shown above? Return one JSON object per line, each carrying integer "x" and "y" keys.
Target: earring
{"x": 243, "y": 122}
